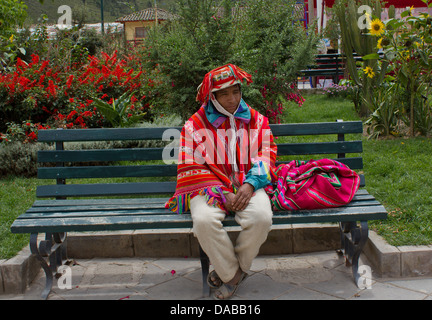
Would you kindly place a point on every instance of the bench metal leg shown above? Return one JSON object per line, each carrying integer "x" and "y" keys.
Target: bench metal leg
{"x": 353, "y": 240}
{"x": 205, "y": 266}
{"x": 51, "y": 253}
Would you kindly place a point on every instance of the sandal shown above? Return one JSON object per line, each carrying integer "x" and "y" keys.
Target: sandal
{"x": 214, "y": 281}
{"x": 226, "y": 291}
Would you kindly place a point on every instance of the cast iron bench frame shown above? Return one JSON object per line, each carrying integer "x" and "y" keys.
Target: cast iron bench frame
{"x": 88, "y": 211}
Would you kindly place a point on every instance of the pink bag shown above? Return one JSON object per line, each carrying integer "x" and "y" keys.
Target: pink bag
{"x": 315, "y": 184}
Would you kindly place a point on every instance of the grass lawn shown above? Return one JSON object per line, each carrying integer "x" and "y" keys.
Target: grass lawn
{"x": 397, "y": 173}
{"x": 16, "y": 196}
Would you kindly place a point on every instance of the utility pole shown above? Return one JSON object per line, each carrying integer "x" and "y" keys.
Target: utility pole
{"x": 102, "y": 17}
{"x": 156, "y": 15}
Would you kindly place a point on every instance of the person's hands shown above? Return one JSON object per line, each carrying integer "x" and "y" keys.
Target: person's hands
{"x": 242, "y": 197}
{"x": 229, "y": 201}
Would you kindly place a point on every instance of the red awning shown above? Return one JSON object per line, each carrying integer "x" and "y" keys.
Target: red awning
{"x": 396, "y": 3}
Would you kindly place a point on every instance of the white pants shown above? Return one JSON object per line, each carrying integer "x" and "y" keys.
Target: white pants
{"x": 255, "y": 222}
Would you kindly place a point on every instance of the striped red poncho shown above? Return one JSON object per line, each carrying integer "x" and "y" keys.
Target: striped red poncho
{"x": 204, "y": 165}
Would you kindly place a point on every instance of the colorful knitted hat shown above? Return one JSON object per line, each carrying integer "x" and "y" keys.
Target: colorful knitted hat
{"x": 221, "y": 78}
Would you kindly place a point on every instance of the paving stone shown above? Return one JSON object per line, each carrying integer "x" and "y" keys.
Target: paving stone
{"x": 341, "y": 285}
{"x": 261, "y": 287}
{"x": 177, "y": 289}
{"x": 422, "y": 285}
{"x": 300, "y": 293}
{"x": 386, "y": 291}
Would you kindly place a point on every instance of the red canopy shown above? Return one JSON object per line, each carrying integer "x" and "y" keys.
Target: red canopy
{"x": 396, "y": 3}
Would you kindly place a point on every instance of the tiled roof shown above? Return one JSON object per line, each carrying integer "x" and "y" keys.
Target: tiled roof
{"x": 147, "y": 15}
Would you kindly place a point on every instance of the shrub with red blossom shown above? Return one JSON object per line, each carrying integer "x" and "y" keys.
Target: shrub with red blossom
{"x": 41, "y": 92}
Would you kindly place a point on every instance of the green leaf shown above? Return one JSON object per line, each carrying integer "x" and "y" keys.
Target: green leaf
{"x": 424, "y": 57}
{"x": 405, "y": 14}
{"x": 371, "y": 56}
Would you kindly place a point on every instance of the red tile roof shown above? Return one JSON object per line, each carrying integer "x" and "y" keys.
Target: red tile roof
{"x": 147, "y": 15}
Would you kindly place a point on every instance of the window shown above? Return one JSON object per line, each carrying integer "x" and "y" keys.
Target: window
{"x": 140, "y": 32}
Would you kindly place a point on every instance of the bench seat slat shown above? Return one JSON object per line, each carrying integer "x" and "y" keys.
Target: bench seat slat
{"x": 47, "y": 212}
{"x": 69, "y": 212}
{"x": 61, "y": 206}
{"x": 119, "y": 201}
{"x": 135, "y": 222}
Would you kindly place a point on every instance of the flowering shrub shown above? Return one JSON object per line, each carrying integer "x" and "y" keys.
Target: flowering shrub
{"x": 48, "y": 95}
{"x": 273, "y": 105}
{"x": 406, "y": 68}
{"x": 25, "y": 132}
{"x": 343, "y": 90}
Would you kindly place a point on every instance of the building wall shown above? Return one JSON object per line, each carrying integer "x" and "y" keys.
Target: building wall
{"x": 130, "y": 28}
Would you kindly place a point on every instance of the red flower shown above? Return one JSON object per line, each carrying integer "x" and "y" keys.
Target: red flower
{"x": 32, "y": 136}
{"x": 35, "y": 59}
{"x": 69, "y": 81}
{"x": 71, "y": 115}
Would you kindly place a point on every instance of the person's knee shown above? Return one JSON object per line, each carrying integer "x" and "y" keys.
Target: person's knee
{"x": 205, "y": 219}
{"x": 261, "y": 210}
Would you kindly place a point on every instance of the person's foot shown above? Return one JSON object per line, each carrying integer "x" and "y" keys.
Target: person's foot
{"x": 214, "y": 281}
{"x": 227, "y": 290}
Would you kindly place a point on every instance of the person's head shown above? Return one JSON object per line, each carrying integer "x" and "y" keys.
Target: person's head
{"x": 229, "y": 98}
{"x": 223, "y": 84}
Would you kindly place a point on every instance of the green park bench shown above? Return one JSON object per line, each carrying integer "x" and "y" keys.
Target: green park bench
{"x": 326, "y": 65}
{"x": 101, "y": 206}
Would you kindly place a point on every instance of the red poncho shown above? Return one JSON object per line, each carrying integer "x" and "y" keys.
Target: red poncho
{"x": 204, "y": 166}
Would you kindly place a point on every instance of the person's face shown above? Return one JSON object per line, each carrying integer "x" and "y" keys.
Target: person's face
{"x": 229, "y": 98}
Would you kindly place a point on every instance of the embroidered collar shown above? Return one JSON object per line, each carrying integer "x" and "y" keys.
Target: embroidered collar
{"x": 216, "y": 118}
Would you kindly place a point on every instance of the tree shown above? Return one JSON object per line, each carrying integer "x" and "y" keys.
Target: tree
{"x": 12, "y": 15}
{"x": 260, "y": 36}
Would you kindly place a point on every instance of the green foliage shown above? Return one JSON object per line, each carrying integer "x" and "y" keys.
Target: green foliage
{"x": 384, "y": 108}
{"x": 186, "y": 50}
{"x": 407, "y": 44}
{"x": 12, "y": 14}
{"x": 19, "y": 158}
{"x": 355, "y": 39}
{"x": 395, "y": 89}
{"x": 261, "y": 37}
{"x": 117, "y": 113}
{"x": 273, "y": 47}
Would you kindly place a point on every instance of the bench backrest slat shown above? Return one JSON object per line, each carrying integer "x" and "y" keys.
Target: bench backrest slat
{"x": 123, "y": 134}
{"x": 109, "y": 189}
{"x": 107, "y": 172}
{"x": 100, "y": 155}
{"x": 320, "y": 148}
{"x": 87, "y": 163}
{"x": 291, "y": 129}
{"x": 157, "y": 153}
